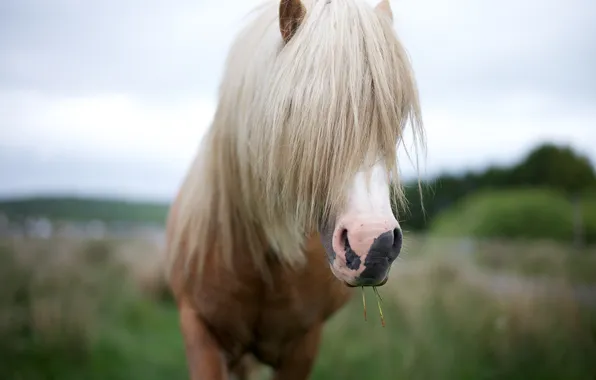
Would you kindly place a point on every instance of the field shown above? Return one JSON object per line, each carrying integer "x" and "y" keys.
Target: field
{"x": 454, "y": 309}
{"x": 85, "y": 209}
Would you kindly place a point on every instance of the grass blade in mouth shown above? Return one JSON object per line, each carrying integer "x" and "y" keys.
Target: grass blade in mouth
{"x": 364, "y": 302}
{"x": 379, "y": 299}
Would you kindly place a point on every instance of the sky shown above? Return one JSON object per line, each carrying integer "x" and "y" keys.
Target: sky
{"x": 112, "y": 97}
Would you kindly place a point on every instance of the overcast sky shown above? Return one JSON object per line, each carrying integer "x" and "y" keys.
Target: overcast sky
{"x": 112, "y": 96}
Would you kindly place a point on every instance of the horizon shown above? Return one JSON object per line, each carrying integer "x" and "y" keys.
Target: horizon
{"x": 407, "y": 181}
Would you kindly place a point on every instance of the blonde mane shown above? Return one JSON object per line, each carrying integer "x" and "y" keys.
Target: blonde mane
{"x": 293, "y": 125}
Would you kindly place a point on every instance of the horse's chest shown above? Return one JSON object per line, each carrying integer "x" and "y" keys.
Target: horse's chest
{"x": 288, "y": 309}
{"x": 249, "y": 315}
{"x": 287, "y": 314}
{"x": 268, "y": 321}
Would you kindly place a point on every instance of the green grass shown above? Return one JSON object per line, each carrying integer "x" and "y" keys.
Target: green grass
{"x": 538, "y": 260}
{"x": 438, "y": 324}
{"x": 451, "y": 330}
{"x": 75, "y": 312}
{"x": 143, "y": 343}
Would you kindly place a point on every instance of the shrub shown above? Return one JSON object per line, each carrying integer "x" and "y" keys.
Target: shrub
{"x": 514, "y": 214}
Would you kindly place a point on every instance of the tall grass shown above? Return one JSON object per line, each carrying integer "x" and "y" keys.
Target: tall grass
{"x": 443, "y": 324}
{"x": 100, "y": 310}
{"x": 59, "y": 299}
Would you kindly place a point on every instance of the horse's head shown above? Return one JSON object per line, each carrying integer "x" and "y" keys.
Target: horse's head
{"x": 313, "y": 104}
{"x": 364, "y": 84}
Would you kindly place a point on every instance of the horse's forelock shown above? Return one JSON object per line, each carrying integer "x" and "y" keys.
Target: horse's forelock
{"x": 296, "y": 120}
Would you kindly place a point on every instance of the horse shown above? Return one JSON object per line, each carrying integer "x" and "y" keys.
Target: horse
{"x": 291, "y": 200}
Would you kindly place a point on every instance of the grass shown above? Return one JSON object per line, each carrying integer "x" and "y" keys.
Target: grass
{"x": 439, "y": 326}
{"x": 538, "y": 259}
{"x": 143, "y": 343}
{"x": 95, "y": 310}
{"x": 530, "y": 258}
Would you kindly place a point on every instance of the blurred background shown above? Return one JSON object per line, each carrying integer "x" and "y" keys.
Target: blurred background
{"x": 102, "y": 105}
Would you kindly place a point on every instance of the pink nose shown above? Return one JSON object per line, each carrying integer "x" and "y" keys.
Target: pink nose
{"x": 372, "y": 245}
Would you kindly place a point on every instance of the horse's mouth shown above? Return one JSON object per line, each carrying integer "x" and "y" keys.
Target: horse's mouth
{"x": 363, "y": 285}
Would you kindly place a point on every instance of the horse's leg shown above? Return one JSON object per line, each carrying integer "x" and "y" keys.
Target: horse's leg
{"x": 203, "y": 354}
{"x": 297, "y": 363}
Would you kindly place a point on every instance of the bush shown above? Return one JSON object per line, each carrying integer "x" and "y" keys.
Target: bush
{"x": 514, "y": 214}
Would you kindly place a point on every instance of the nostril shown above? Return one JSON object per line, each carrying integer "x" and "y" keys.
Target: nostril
{"x": 344, "y": 239}
{"x": 352, "y": 260}
{"x": 397, "y": 239}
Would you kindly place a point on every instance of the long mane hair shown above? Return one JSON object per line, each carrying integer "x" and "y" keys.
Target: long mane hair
{"x": 293, "y": 125}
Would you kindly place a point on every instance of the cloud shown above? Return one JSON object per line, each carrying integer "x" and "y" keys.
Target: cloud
{"x": 155, "y": 48}
{"x": 146, "y": 47}
{"x": 467, "y": 50}
{"x": 109, "y": 126}
{"x": 27, "y": 173}
{"x": 503, "y": 131}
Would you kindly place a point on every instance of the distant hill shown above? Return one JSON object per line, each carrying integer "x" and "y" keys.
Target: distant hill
{"x": 76, "y": 209}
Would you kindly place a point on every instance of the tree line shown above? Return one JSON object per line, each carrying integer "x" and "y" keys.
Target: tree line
{"x": 551, "y": 166}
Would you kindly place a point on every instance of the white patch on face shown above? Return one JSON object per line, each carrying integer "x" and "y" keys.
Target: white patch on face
{"x": 370, "y": 198}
